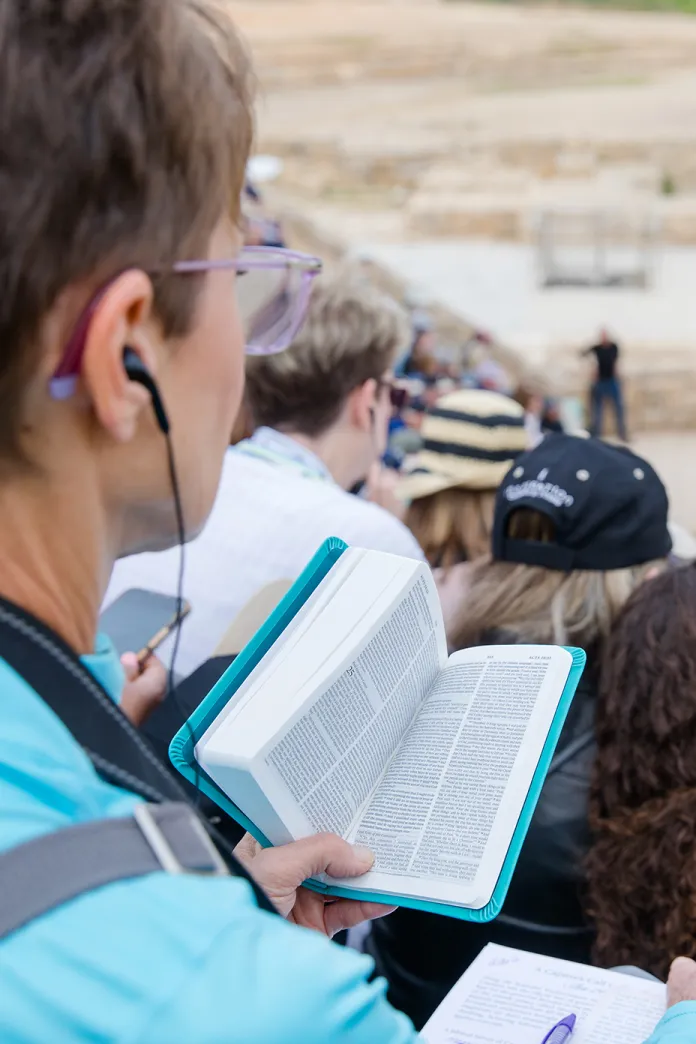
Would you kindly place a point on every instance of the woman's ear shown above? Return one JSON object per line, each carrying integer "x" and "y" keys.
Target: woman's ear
{"x": 362, "y": 403}
{"x": 119, "y": 321}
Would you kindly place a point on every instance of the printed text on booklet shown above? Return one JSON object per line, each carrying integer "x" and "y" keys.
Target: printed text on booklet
{"x": 512, "y": 997}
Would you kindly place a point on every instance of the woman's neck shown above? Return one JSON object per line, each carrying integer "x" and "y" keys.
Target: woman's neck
{"x": 52, "y": 555}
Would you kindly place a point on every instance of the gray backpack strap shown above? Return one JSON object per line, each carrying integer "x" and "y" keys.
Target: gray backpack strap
{"x": 50, "y": 870}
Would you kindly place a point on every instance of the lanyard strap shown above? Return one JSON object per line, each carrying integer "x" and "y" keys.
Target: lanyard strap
{"x": 117, "y": 750}
{"x": 278, "y": 450}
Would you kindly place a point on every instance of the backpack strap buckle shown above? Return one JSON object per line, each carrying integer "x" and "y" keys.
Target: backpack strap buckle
{"x": 179, "y": 840}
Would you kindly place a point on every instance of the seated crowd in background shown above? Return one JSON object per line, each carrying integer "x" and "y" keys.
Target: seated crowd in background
{"x": 535, "y": 537}
{"x": 314, "y": 424}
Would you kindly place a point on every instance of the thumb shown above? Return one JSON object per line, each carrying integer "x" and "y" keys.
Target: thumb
{"x": 327, "y": 853}
{"x": 681, "y": 985}
{"x": 131, "y": 667}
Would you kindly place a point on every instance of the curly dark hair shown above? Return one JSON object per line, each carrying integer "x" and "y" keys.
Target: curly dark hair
{"x": 642, "y": 866}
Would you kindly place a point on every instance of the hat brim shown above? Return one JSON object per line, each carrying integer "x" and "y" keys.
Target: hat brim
{"x": 422, "y": 484}
{"x": 434, "y": 472}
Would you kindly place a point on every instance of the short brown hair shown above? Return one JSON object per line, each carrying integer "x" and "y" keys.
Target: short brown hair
{"x": 124, "y": 133}
{"x": 352, "y": 334}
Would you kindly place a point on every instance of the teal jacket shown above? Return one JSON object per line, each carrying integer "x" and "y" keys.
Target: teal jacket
{"x": 166, "y": 959}
{"x": 161, "y": 959}
{"x": 678, "y": 1026}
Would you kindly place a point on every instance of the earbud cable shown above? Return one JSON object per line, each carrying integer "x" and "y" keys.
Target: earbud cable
{"x": 181, "y": 535}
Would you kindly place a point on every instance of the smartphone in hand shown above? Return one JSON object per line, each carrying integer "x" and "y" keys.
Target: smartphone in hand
{"x": 138, "y": 621}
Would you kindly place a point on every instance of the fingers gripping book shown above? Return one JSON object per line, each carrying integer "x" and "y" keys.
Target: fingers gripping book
{"x": 346, "y": 714}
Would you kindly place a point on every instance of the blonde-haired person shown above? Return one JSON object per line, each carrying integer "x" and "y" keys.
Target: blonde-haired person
{"x": 319, "y": 414}
{"x": 578, "y": 526}
{"x": 470, "y": 439}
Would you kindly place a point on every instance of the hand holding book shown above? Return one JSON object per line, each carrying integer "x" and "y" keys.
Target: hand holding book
{"x": 281, "y": 872}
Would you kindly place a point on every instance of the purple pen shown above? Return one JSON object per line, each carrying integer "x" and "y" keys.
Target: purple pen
{"x": 561, "y": 1032}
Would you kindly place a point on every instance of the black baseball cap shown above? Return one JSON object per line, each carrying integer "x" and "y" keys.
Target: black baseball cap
{"x": 608, "y": 506}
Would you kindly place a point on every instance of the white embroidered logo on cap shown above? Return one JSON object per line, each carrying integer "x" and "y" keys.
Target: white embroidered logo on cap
{"x": 536, "y": 490}
{"x": 543, "y": 474}
{"x": 582, "y": 475}
{"x": 518, "y": 472}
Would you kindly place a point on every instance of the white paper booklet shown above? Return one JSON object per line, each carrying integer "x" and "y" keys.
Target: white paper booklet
{"x": 357, "y": 722}
{"x": 512, "y": 997}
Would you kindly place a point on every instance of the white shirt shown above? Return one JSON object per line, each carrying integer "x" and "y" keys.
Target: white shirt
{"x": 275, "y": 506}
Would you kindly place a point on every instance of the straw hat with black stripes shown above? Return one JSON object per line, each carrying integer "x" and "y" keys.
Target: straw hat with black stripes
{"x": 470, "y": 438}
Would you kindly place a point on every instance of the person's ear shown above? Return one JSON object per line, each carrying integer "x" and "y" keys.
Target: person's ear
{"x": 120, "y": 321}
{"x": 362, "y": 403}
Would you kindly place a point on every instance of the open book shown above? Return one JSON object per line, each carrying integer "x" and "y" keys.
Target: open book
{"x": 512, "y": 997}
{"x": 347, "y": 715}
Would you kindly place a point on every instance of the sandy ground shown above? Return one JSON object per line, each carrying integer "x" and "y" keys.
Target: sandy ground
{"x": 455, "y": 71}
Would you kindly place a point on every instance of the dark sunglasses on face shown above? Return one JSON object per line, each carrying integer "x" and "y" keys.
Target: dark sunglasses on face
{"x": 398, "y": 397}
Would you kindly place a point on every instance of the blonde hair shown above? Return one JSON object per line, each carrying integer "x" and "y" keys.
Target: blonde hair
{"x": 535, "y": 604}
{"x": 453, "y": 525}
{"x": 352, "y": 334}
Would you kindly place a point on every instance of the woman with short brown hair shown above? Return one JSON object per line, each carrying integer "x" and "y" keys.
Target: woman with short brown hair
{"x": 125, "y": 128}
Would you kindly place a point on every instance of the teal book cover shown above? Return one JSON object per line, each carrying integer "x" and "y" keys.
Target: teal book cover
{"x": 182, "y": 748}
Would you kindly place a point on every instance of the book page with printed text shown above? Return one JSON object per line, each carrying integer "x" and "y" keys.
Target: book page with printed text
{"x": 442, "y": 818}
{"x": 335, "y": 704}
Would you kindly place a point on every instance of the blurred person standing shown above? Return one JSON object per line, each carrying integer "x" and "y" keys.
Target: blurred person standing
{"x": 579, "y": 524}
{"x": 321, "y": 412}
{"x": 606, "y": 386}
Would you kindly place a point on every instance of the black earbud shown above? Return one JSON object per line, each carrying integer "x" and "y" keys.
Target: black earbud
{"x": 137, "y": 371}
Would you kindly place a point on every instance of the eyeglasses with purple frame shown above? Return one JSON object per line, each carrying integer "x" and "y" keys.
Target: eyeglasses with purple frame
{"x": 283, "y": 312}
